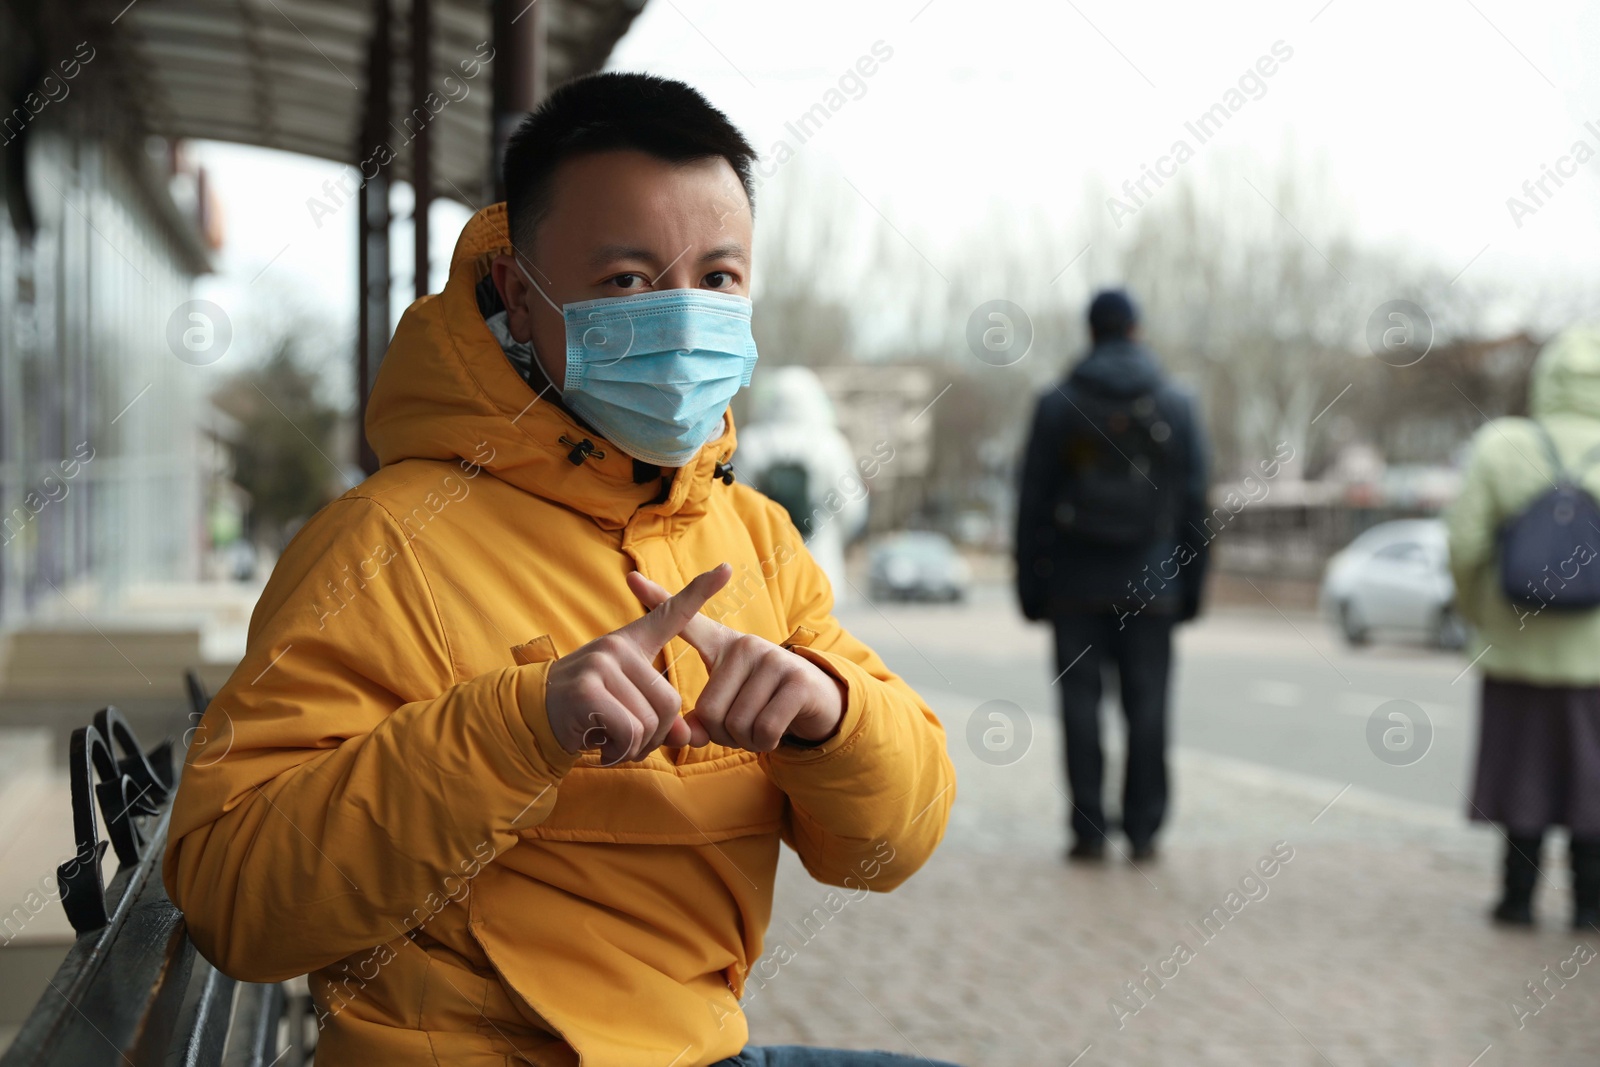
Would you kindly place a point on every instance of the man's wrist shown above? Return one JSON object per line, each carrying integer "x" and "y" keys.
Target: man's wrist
{"x": 533, "y": 700}
{"x": 811, "y": 735}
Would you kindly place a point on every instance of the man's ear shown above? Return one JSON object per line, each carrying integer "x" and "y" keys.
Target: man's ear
{"x": 516, "y": 294}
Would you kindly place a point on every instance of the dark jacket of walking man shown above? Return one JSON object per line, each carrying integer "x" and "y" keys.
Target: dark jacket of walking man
{"x": 1111, "y": 550}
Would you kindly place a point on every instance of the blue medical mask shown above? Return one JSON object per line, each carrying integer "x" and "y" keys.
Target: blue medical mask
{"x": 654, "y": 372}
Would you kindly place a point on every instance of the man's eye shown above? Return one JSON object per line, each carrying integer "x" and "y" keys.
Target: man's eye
{"x": 629, "y": 281}
{"x": 719, "y": 279}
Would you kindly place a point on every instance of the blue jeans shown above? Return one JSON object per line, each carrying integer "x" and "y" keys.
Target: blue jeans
{"x": 800, "y": 1056}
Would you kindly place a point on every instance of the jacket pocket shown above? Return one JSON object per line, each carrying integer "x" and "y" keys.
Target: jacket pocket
{"x": 540, "y": 650}
{"x": 538, "y": 1040}
{"x": 657, "y": 803}
{"x": 801, "y": 638}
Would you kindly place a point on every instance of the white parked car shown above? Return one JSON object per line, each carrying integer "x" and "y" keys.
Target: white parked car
{"x": 917, "y": 565}
{"x": 1394, "y": 578}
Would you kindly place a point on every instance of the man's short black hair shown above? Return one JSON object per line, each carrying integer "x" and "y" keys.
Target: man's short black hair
{"x": 1112, "y": 315}
{"x": 606, "y": 112}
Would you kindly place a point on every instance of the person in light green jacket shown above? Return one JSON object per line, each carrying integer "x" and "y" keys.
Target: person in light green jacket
{"x": 1539, "y": 729}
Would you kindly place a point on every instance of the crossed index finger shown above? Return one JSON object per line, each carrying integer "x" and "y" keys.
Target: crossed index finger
{"x": 704, "y": 634}
{"x": 672, "y": 616}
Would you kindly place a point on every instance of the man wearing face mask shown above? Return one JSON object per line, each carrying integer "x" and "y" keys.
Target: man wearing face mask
{"x": 488, "y": 772}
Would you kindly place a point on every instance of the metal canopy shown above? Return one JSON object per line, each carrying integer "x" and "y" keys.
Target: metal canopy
{"x": 292, "y": 75}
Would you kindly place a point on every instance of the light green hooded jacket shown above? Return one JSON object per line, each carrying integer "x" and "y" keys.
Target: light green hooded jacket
{"x": 1508, "y": 469}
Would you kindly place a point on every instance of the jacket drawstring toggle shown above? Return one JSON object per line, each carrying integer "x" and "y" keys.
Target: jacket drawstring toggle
{"x": 581, "y": 450}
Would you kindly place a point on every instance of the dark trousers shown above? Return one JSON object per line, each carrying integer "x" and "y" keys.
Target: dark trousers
{"x": 1140, "y": 646}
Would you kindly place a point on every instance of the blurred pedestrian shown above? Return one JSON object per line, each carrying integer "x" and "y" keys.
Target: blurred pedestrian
{"x": 1524, "y": 534}
{"x": 1111, "y": 551}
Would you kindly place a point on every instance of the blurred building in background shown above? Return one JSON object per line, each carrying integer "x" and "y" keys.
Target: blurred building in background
{"x": 884, "y": 408}
{"x": 98, "y": 421}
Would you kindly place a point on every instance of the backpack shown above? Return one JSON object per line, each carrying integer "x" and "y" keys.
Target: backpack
{"x": 1119, "y": 481}
{"x": 789, "y": 485}
{"x": 1548, "y": 549}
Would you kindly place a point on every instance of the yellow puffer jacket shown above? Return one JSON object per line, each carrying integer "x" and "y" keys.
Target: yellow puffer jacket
{"x": 376, "y": 798}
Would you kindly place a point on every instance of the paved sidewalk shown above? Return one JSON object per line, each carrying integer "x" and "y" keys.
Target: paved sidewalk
{"x": 1369, "y": 946}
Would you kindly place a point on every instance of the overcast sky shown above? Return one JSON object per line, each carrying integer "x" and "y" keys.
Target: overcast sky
{"x": 1422, "y": 117}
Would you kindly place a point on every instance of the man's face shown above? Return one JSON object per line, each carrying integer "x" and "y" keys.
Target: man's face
{"x": 622, "y": 223}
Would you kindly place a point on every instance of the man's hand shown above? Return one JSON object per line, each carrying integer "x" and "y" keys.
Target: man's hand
{"x": 609, "y": 695}
{"x": 757, "y": 691}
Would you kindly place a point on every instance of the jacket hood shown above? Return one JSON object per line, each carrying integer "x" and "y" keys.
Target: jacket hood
{"x": 447, "y": 391}
{"x": 1566, "y": 376}
{"x": 1117, "y": 368}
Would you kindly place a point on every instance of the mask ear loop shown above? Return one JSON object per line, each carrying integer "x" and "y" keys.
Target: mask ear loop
{"x": 516, "y": 258}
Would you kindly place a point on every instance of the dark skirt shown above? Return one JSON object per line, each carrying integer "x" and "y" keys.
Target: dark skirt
{"x": 1539, "y": 758}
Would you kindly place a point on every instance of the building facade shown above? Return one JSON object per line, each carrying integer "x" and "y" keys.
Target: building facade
{"x": 98, "y": 483}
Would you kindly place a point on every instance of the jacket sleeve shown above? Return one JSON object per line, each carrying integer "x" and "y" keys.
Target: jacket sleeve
{"x": 1193, "y": 510}
{"x": 344, "y": 785}
{"x": 1035, "y": 501}
{"x": 1470, "y": 525}
{"x": 869, "y": 805}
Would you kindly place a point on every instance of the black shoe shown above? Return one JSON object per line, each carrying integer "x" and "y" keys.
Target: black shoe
{"x": 1087, "y": 852}
{"x": 1144, "y": 851}
{"x": 1521, "y": 875}
{"x": 1585, "y": 884}
{"x": 1513, "y": 912}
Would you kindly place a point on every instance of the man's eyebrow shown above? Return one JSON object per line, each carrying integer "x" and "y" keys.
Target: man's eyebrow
{"x": 611, "y": 253}
{"x": 735, "y": 252}
{"x": 608, "y": 254}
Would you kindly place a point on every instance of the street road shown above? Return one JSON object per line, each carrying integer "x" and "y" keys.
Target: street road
{"x": 1279, "y": 690}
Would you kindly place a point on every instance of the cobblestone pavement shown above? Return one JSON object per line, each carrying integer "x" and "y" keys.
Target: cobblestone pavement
{"x": 1368, "y": 946}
